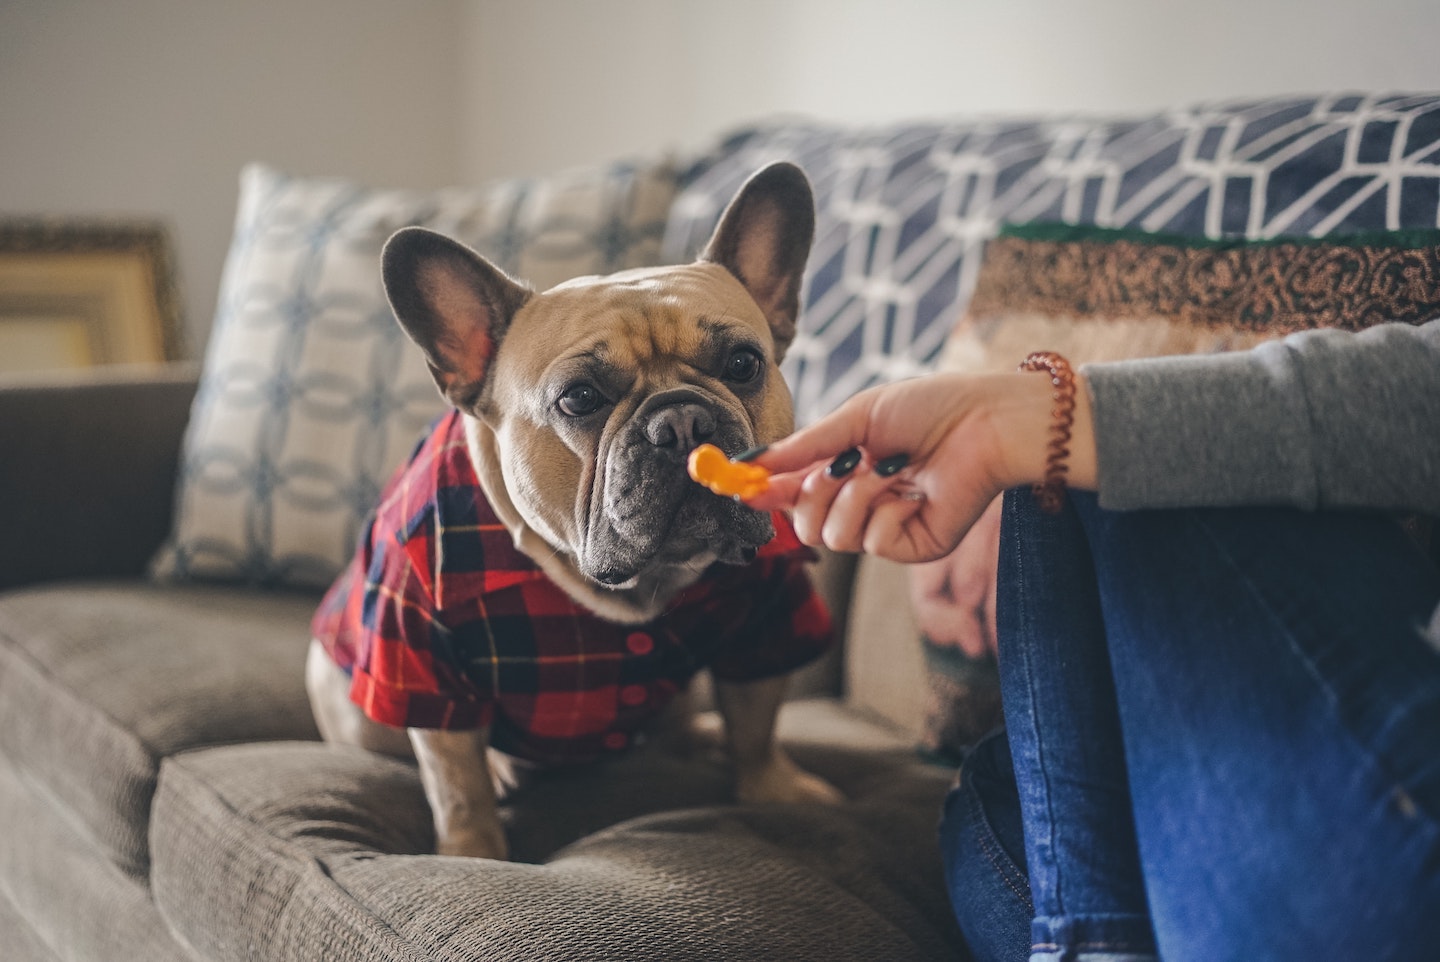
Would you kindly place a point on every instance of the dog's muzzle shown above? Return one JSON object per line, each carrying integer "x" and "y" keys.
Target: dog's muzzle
{"x": 650, "y": 510}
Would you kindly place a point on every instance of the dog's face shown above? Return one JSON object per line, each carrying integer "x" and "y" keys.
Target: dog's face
{"x": 607, "y": 385}
{"x": 589, "y": 397}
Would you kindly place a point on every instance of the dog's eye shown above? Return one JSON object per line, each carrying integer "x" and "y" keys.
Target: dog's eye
{"x": 580, "y": 400}
{"x": 742, "y": 366}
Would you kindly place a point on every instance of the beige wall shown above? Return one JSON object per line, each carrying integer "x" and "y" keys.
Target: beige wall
{"x": 556, "y": 82}
{"x": 152, "y": 106}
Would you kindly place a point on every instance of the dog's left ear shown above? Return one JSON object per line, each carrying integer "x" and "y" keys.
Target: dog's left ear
{"x": 453, "y": 303}
{"x": 764, "y": 239}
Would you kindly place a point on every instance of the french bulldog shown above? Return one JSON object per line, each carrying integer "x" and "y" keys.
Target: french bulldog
{"x": 575, "y": 409}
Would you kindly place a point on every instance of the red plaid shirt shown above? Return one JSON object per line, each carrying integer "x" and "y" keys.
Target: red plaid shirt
{"x": 442, "y": 623}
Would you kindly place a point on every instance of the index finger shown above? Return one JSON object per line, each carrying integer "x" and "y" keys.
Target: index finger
{"x": 840, "y": 430}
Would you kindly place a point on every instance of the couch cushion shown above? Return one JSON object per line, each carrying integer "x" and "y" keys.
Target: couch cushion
{"x": 905, "y": 210}
{"x": 60, "y": 896}
{"x": 305, "y": 851}
{"x": 22, "y": 943}
{"x": 99, "y": 681}
{"x": 311, "y": 393}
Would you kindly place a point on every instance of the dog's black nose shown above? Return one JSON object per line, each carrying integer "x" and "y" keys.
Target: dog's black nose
{"x": 681, "y": 426}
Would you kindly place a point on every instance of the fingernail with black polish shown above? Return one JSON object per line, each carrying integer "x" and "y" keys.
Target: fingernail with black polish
{"x": 751, "y": 454}
{"x": 891, "y": 465}
{"x": 844, "y": 463}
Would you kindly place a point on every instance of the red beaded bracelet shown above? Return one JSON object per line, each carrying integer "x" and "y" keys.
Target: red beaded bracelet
{"x": 1050, "y": 492}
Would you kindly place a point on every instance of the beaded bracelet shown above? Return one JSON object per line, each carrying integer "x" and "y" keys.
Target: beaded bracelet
{"x": 1050, "y": 492}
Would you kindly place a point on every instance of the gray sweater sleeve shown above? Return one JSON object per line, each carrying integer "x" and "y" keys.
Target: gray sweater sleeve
{"x": 1318, "y": 419}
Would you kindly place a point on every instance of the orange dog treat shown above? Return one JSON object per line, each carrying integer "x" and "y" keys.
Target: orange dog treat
{"x": 709, "y": 466}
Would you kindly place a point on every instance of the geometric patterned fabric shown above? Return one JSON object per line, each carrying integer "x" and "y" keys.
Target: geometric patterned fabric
{"x": 905, "y": 211}
{"x": 311, "y": 394}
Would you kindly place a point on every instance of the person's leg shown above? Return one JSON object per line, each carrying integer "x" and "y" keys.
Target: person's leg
{"x": 1281, "y": 712}
{"x": 1280, "y": 709}
{"x": 1065, "y": 738}
{"x": 1077, "y": 853}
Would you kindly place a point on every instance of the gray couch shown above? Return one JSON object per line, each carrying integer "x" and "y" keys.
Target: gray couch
{"x": 164, "y": 795}
{"x": 162, "y": 789}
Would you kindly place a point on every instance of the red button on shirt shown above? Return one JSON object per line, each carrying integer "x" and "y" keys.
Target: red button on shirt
{"x": 633, "y": 695}
{"x": 615, "y": 741}
{"x": 640, "y": 643}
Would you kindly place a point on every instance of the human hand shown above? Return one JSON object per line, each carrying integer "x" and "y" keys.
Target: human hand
{"x": 903, "y": 470}
{"x": 953, "y": 598}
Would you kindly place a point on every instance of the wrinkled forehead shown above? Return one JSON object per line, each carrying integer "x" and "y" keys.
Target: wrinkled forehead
{"x": 640, "y": 313}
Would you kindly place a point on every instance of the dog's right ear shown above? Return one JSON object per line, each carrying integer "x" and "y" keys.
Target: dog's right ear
{"x": 453, "y": 303}
{"x": 764, "y": 238}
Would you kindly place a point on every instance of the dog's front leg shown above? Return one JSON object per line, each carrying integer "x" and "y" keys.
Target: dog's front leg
{"x": 763, "y": 771}
{"x": 455, "y": 770}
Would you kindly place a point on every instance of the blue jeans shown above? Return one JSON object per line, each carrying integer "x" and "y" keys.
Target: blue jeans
{"x": 1222, "y": 742}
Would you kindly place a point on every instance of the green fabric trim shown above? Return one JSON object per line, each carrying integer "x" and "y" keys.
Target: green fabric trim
{"x": 1074, "y": 233}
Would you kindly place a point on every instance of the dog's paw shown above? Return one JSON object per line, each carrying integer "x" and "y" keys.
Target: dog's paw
{"x": 781, "y": 780}
{"x": 474, "y": 841}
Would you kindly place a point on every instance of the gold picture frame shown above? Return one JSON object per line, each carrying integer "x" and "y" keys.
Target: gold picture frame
{"x": 80, "y": 293}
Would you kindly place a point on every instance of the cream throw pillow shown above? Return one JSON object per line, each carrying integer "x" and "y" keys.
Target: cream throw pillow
{"x": 311, "y": 394}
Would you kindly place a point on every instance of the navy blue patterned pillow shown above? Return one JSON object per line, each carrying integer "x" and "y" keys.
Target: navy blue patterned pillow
{"x": 905, "y": 211}
{"x": 311, "y": 394}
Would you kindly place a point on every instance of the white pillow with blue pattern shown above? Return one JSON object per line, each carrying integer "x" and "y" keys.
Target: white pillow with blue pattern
{"x": 311, "y": 395}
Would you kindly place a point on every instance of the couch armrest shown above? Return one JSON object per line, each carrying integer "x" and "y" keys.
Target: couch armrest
{"x": 87, "y": 469}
